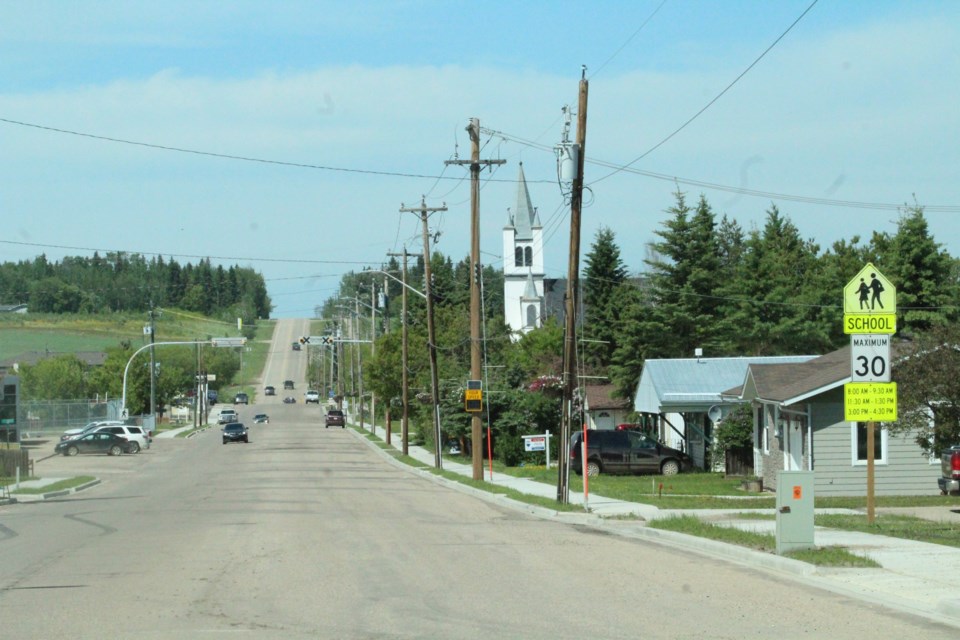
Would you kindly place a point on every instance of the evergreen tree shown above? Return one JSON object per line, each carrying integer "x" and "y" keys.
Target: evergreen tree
{"x": 922, "y": 272}
{"x": 603, "y": 276}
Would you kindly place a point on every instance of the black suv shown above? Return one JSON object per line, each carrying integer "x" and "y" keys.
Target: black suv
{"x": 335, "y": 418}
{"x": 241, "y": 398}
{"x": 625, "y": 452}
{"x": 235, "y": 432}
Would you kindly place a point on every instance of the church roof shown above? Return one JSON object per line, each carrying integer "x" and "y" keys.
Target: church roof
{"x": 524, "y": 218}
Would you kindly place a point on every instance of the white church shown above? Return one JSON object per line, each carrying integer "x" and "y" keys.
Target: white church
{"x": 523, "y": 276}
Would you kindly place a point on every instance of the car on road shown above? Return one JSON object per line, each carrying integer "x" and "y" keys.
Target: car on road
{"x": 235, "y": 432}
{"x": 226, "y": 416}
{"x": 269, "y": 391}
{"x": 91, "y": 426}
{"x": 288, "y": 384}
{"x": 138, "y": 437}
{"x": 296, "y": 346}
{"x": 289, "y": 400}
{"x": 261, "y": 418}
{"x": 241, "y": 398}
{"x": 625, "y": 452}
{"x": 313, "y": 396}
{"x": 96, "y": 442}
{"x": 334, "y": 418}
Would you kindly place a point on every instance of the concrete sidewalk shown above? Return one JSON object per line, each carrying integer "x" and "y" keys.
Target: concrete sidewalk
{"x": 915, "y": 577}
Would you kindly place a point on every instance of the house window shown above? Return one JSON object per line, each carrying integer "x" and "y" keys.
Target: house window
{"x": 858, "y": 444}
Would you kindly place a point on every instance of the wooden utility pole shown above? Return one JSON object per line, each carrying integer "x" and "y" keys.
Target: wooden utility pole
{"x": 423, "y": 210}
{"x": 405, "y": 420}
{"x": 573, "y": 270}
{"x": 476, "y": 356}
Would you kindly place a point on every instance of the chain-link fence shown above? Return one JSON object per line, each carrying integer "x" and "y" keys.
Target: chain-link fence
{"x": 43, "y": 418}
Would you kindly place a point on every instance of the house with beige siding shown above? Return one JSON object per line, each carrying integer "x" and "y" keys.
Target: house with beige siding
{"x": 799, "y": 425}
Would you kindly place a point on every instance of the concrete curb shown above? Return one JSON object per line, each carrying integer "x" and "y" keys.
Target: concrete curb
{"x": 39, "y": 497}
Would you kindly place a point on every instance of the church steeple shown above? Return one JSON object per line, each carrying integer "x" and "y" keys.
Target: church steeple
{"x": 525, "y": 217}
{"x": 523, "y": 272}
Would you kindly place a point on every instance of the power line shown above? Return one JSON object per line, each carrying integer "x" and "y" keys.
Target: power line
{"x": 717, "y": 97}
{"x": 228, "y": 156}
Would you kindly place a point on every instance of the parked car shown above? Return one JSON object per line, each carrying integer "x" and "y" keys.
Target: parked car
{"x": 289, "y": 400}
{"x": 96, "y": 442}
{"x": 625, "y": 452}
{"x": 313, "y": 396}
{"x": 261, "y": 418}
{"x": 235, "y": 432}
{"x": 226, "y": 416}
{"x": 73, "y": 433}
{"x": 138, "y": 438}
{"x": 269, "y": 391}
{"x": 288, "y": 384}
{"x": 334, "y": 418}
{"x": 241, "y": 398}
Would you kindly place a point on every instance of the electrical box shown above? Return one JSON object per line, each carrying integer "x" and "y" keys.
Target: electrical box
{"x": 794, "y": 511}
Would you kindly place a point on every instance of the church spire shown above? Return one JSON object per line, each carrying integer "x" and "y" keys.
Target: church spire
{"x": 525, "y": 217}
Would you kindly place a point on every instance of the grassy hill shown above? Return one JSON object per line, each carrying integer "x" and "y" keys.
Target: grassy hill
{"x": 71, "y": 333}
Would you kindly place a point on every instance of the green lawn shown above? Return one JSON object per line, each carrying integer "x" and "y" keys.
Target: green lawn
{"x": 67, "y": 333}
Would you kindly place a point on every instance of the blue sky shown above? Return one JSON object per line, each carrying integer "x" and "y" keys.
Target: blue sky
{"x": 857, "y": 103}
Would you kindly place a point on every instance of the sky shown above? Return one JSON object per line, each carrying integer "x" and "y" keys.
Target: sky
{"x": 286, "y": 136}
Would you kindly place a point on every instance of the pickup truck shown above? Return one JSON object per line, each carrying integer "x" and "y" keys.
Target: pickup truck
{"x": 950, "y": 476}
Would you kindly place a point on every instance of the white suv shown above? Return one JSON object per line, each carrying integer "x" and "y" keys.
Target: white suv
{"x": 313, "y": 396}
{"x": 140, "y": 438}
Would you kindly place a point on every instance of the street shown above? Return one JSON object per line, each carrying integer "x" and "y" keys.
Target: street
{"x": 307, "y": 532}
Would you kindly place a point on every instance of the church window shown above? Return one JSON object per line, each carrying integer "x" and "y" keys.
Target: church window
{"x": 528, "y": 257}
{"x": 518, "y": 257}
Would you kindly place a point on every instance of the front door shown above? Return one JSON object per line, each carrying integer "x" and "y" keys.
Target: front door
{"x": 795, "y": 453}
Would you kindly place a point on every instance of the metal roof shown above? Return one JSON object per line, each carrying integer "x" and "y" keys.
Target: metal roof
{"x": 695, "y": 384}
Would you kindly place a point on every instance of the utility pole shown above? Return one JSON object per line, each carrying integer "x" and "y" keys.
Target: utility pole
{"x": 356, "y": 320}
{"x": 424, "y": 211}
{"x": 153, "y": 371}
{"x": 570, "y": 342}
{"x": 476, "y": 360}
{"x": 373, "y": 352}
{"x": 405, "y": 420}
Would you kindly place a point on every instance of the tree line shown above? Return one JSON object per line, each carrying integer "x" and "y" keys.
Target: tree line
{"x": 119, "y": 281}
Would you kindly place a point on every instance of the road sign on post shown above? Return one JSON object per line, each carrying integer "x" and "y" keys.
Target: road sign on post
{"x": 473, "y": 396}
{"x": 870, "y": 316}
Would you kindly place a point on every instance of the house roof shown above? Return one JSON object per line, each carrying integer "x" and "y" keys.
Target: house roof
{"x": 789, "y": 384}
{"x": 695, "y": 384}
{"x": 599, "y": 396}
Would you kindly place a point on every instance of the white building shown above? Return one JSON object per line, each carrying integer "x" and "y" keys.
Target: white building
{"x": 523, "y": 264}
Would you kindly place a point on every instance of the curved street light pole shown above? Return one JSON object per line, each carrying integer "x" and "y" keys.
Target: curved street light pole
{"x": 126, "y": 370}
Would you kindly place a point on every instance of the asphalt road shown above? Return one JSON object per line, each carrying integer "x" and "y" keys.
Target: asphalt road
{"x": 308, "y": 532}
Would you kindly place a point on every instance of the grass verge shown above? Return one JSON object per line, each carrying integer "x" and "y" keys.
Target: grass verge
{"x": 821, "y": 556}
{"x": 68, "y": 483}
{"x": 896, "y": 526}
